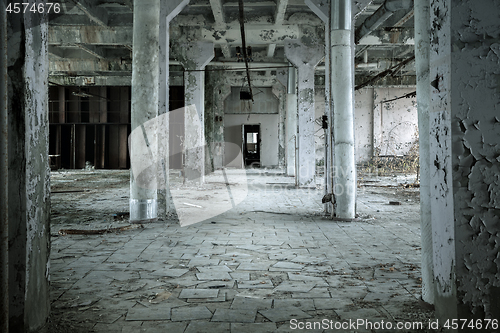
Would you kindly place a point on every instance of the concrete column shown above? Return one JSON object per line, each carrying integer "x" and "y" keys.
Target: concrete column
{"x": 305, "y": 58}
{"x": 4, "y": 178}
{"x": 422, "y": 48}
{"x": 169, "y": 9}
{"x": 343, "y": 117}
{"x": 291, "y": 121}
{"x": 194, "y": 57}
{"x": 322, "y": 9}
{"x": 28, "y": 171}
{"x": 145, "y": 78}
{"x": 464, "y": 143}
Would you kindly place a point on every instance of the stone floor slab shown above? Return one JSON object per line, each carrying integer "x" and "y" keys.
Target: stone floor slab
{"x": 212, "y": 276}
{"x": 253, "y": 328}
{"x": 256, "y": 284}
{"x": 303, "y": 304}
{"x": 144, "y": 314}
{"x": 207, "y": 327}
{"x": 199, "y": 293}
{"x": 251, "y": 303}
{"x": 284, "y": 314}
{"x": 294, "y": 286}
{"x": 234, "y": 315}
{"x": 190, "y": 313}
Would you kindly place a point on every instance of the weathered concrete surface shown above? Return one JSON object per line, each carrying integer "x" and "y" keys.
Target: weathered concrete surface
{"x": 194, "y": 57}
{"x": 28, "y": 187}
{"x": 305, "y": 58}
{"x": 342, "y": 66}
{"x": 168, "y": 10}
{"x": 465, "y": 62}
{"x": 322, "y": 9}
{"x": 144, "y": 105}
{"x": 291, "y": 121}
{"x": 217, "y": 90}
{"x": 422, "y": 48}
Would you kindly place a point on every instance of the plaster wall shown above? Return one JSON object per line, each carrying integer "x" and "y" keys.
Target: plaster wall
{"x": 264, "y": 102}
{"x": 395, "y": 123}
{"x": 388, "y": 130}
{"x": 268, "y": 131}
{"x": 465, "y": 72}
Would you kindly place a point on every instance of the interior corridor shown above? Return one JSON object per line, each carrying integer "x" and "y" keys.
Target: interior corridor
{"x": 272, "y": 258}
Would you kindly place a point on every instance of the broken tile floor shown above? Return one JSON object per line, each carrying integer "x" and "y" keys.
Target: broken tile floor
{"x": 262, "y": 255}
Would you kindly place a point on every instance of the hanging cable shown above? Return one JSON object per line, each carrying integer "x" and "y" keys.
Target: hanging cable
{"x": 244, "y": 47}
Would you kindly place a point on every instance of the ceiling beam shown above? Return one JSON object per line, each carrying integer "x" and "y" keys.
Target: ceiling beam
{"x": 96, "y": 14}
{"x": 89, "y": 65}
{"x": 271, "y": 48}
{"x": 129, "y": 4}
{"x": 255, "y": 34}
{"x": 226, "y": 51}
{"x": 90, "y": 35}
{"x": 99, "y": 80}
{"x": 405, "y": 18}
{"x": 93, "y": 50}
{"x": 218, "y": 11}
{"x": 279, "y": 18}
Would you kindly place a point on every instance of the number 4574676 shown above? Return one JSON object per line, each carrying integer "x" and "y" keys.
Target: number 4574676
{"x": 37, "y": 8}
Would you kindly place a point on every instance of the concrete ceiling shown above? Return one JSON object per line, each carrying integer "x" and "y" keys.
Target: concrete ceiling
{"x": 90, "y": 41}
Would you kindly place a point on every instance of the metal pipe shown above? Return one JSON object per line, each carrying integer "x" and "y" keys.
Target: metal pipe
{"x": 4, "y": 222}
{"x": 422, "y": 65}
{"x": 341, "y": 15}
{"x": 380, "y": 16}
{"x": 342, "y": 80}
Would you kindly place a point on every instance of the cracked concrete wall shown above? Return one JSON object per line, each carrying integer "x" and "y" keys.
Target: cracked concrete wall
{"x": 395, "y": 123}
{"x": 363, "y": 124}
{"x": 29, "y": 191}
{"x": 465, "y": 93}
{"x": 265, "y": 102}
{"x": 268, "y": 132}
{"x": 237, "y": 113}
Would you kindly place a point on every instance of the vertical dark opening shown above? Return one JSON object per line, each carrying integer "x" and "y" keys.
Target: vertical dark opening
{"x": 251, "y": 145}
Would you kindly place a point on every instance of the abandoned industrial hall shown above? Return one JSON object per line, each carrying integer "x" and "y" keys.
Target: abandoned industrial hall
{"x": 250, "y": 166}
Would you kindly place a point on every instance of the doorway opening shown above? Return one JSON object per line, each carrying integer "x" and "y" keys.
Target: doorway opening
{"x": 251, "y": 145}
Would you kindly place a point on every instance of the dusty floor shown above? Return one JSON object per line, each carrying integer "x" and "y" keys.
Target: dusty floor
{"x": 262, "y": 255}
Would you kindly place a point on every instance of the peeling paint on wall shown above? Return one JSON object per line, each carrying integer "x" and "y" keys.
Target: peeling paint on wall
{"x": 465, "y": 66}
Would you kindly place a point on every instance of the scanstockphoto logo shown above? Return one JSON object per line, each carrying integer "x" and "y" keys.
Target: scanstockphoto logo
{"x": 196, "y": 199}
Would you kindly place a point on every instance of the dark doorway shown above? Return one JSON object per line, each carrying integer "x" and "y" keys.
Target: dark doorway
{"x": 251, "y": 145}
{"x": 176, "y": 127}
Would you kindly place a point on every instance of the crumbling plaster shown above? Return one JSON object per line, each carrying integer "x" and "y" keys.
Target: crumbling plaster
{"x": 465, "y": 67}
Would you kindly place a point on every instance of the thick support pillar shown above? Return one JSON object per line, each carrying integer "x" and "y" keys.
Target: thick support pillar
{"x": 322, "y": 9}
{"x": 422, "y": 48}
{"x": 4, "y": 178}
{"x": 305, "y": 58}
{"x": 169, "y": 10}
{"x": 194, "y": 57}
{"x": 291, "y": 121}
{"x": 464, "y": 144}
{"x": 145, "y": 76}
{"x": 28, "y": 170}
{"x": 342, "y": 64}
